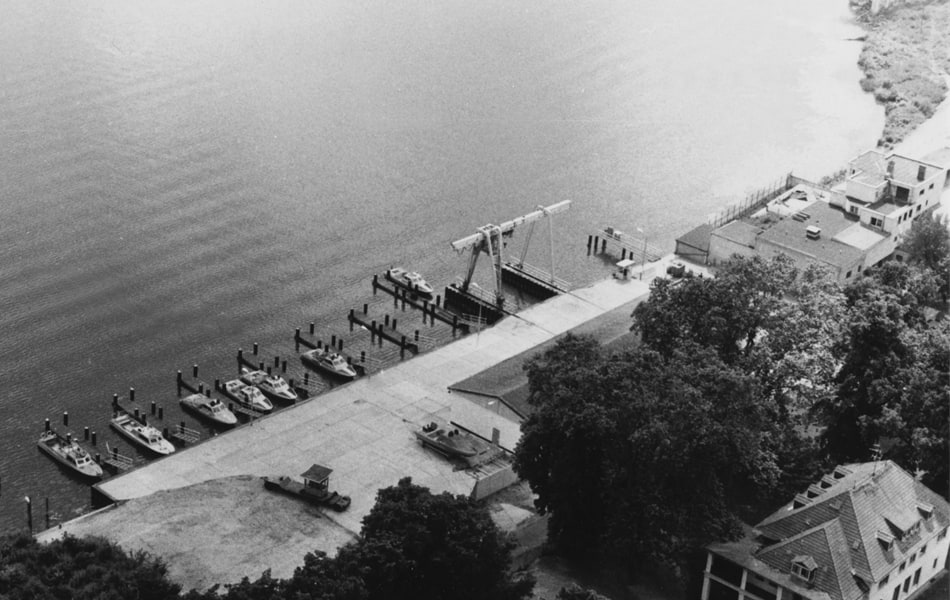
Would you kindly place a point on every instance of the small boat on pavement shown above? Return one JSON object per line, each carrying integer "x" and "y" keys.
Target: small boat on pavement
{"x": 209, "y": 408}
{"x": 247, "y": 396}
{"x": 68, "y": 452}
{"x": 274, "y": 387}
{"x": 140, "y": 434}
{"x": 450, "y": 442}
{"x": 329, "y": 361}
{"x": 410, "y": 280}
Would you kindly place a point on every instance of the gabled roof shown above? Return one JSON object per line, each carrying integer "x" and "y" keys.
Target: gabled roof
{"x": 865, "y": 499}
{"x": 850, "y": 523}
{"x": 827, "y": 547}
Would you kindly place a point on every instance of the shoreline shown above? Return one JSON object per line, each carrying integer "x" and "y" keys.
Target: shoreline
{"x": 905, "y": 59}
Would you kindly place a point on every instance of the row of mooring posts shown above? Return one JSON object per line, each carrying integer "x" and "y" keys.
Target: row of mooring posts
{"x": 279, "y": 363}
{"x": 431, "y": 310}
{"x": 593, "y": 241}
{"x": 378, "y": 332}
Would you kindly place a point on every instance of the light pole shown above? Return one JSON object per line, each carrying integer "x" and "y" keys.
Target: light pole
{"x": 643, "y": 254}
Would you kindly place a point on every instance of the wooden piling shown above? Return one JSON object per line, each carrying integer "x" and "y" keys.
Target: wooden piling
{"x": 194, "y": 371}
{"x": 46, "y": 426}
{"x": 161, "y": 413}
{"x": 255, "y": 348}
{"x": 131, "y": 394}
{"x": 66, "y": 418}
{"x": 93, "y": 438}
{"x": 85, "y": 433}
{"x": 312, "y": 327}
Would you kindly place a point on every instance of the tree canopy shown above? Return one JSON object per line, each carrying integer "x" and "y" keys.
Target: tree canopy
{"x": 635, "y": 455}
{"x": 79, "y": 568}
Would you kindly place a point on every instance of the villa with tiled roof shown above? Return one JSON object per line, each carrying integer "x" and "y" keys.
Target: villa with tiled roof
{"x": 868, "y": 531}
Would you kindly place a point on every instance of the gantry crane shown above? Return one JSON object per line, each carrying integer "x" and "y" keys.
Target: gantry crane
{"x": 490, "y": 240}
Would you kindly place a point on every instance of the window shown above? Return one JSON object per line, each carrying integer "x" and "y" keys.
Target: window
{"x": 854, "y": 210}
{"x": 921, "y": 192}
{"x": 931, "y": 186}
{"x": 847, "y": 275}
{"x": 913, "y": 557}
{"x": 942, "y": 534}
{"x": 897, "y": 592}
{"x": 804, "y": 567}
{"x": 875, "y": 222}
{"x": 906, "y": 585}
{"x": 919, "y": 207}
{"x": 903, "y": 565}
{"x": 883, "y": 581}
{"x": 916, "y": 576}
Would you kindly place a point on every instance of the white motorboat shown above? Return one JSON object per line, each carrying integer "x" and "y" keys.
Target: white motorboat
{"x": 410, "y": 280}
{"x": 140, "y": 434}
{"x": 68, "y": 452}
{"x": 247, "y": 396}
{"x": 274, "y": 387}
{"x": 209, "y": 408}
{"x": 329, "y": 361}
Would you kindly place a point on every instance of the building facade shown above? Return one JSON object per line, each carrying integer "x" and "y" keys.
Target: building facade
{"x": 844, "y": 230}
{"x": 868, "y": 531}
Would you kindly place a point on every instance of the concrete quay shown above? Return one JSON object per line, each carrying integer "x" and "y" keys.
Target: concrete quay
{"x": 364, "y": 431}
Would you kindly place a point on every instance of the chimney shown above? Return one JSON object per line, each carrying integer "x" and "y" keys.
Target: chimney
{"x": 921, "y": 172}
{"x": 890, "y": 168}
{"x": 495, "y": 436}
{"x": 812, "y": 232}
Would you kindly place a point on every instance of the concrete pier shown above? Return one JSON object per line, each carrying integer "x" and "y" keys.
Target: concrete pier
{"x": 363, "y": 430}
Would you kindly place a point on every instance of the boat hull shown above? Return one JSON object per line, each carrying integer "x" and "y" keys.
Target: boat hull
{"x": 318, "y": 365}
{"x": 122, "y": 427}
{"x": 93, "y": 472}
{"x": 208, "y": 416}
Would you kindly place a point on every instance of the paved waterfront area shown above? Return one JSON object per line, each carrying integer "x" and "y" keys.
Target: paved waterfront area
{"x": 363, "y": 431}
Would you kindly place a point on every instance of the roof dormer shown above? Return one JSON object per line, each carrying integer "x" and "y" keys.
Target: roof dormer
{"x": 886, "y": 540}
{"x": 925, "y": 510}
{"x": 841, "y": 472}
{"x": 804, "y": 567}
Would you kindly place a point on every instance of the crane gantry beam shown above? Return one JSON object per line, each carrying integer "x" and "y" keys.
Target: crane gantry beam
{"x": 488, "y": 239}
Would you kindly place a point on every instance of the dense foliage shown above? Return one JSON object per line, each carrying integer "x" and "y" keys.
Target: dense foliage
{"x": 893, "y": 384}
{"x": 79, "y": 568}
{"x": 413, "y": 545}
{"x": 747, "y": 386}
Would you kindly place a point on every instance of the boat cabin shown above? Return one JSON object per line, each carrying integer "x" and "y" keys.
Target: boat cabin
{"x": 317, "y": 476}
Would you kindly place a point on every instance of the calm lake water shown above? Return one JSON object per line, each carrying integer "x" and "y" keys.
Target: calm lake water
{"x": 181, "y": 179}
